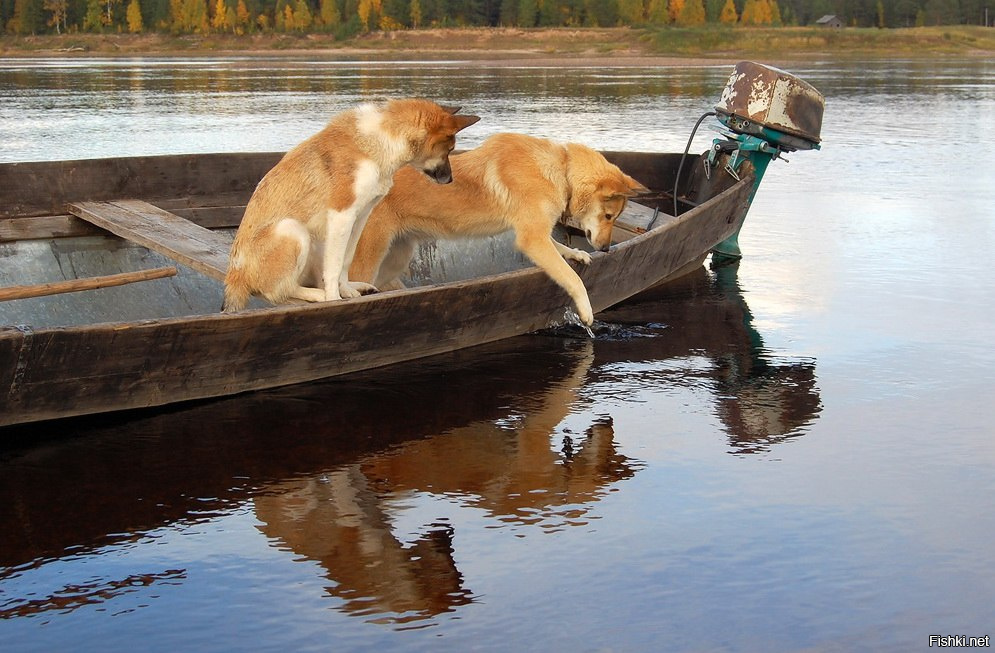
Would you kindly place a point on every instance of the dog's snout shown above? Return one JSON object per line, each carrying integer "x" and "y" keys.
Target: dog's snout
{"x": 442, "y": 174}
{"x": 604, "y": 248}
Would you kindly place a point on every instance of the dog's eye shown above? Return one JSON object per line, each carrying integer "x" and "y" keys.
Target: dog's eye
{"x": 609, "y": 216}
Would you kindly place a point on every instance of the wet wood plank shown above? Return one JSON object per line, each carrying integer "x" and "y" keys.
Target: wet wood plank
{"x": 160, "y": 231}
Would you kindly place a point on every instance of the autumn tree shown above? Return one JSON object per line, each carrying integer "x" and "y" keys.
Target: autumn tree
{"x": 58, "y": 10}
{"x": 692, "y": 14}
{"x": 754, "y": 13}
{"x": 366, "y": 11}
{"x": 674, "y": 9}
{"x": 285, "y": 20}
{"x": 134, "y": 16}
{"x": 242, "y": 18}
{"x": 189, "y": 16}
{"x": 108, "y": 18}
{"x": 728, "y": 15}
{"x": 218, "y": 20}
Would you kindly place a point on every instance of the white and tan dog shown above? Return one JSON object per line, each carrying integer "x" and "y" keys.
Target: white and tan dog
{"x": 303, "y": 220}
{"x": 511, "y": 181}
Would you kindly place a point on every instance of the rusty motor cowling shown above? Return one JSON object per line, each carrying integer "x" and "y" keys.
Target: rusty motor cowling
{"x": 768, "y": 112}
{"x": 772, "y": 104}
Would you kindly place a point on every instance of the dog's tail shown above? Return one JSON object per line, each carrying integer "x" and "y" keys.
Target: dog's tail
{"x": 236, "y": 293}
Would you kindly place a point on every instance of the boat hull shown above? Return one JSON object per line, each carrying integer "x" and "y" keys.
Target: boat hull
{"x": 56, "y": 372}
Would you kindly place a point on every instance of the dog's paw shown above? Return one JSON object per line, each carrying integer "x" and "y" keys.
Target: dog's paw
{"x": 578, "y": 255}
{"x": 585, "y": 314}
{"x": 350, "y": 289}
{"x": 364, "y": 288}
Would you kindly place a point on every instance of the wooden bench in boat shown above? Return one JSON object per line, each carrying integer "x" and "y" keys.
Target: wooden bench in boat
{"x": 160, "y": 231}
{"x": 634, "y": 220}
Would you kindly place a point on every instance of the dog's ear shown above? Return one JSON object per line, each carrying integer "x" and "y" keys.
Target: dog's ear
{"x": 450, "y": 109}
{"x": 634, "y": 187}
{"x": 462, "y": 122}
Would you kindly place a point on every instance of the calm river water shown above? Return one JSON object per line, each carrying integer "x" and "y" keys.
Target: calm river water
{"x": 791, "y": 454}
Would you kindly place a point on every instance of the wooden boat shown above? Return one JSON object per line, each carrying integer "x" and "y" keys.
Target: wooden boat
{"x": 165, "y": 223}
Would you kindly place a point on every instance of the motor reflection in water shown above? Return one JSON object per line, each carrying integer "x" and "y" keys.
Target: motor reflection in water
{"x": 327, "y": 468}
{"x": 760, "y": 398}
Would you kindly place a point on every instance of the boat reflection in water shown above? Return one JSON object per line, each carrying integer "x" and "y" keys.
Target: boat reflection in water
{"x": 515, "y": 430}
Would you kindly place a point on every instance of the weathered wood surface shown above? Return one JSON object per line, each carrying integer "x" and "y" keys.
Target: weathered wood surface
{"x": 160, "y": 231}
{"x": 208, "y": 189}
{"x": 191, "y": 180}
{"x": 60, "y": 372}
{"x": 88, "y": 283}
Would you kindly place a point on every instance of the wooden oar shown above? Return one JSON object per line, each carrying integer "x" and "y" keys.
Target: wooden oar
{"x": 91, "y": 283}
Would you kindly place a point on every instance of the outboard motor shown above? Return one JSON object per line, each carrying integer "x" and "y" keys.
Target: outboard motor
{"x": 767, "y": 112}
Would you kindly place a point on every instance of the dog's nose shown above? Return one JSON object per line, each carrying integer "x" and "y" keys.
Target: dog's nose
{"x": 441, "y": 175}
{"x": 605, "y": 248}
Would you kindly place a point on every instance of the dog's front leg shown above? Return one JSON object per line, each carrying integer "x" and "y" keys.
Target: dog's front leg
{"x": 345, "y": 285}
{"x": 338, "y": 229}
{"x": 542, "y": 250}
{"x": 572, "y": 254}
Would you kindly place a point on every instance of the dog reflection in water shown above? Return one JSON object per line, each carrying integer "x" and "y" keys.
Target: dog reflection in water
{"x": 519, "y": 470}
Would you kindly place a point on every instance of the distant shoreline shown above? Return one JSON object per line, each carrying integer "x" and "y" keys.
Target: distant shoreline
{"x": 615, "y": 47}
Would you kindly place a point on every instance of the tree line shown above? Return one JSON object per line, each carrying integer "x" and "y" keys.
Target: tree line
{"x": 346, "y": 18}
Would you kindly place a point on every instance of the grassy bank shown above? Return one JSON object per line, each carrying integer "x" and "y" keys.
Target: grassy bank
{"x": 503, "y": 43}
{"x": 787, "y": 41}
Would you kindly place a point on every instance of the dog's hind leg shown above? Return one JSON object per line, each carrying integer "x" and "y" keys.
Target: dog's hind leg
{"x": 542, "y": 250}
{"x": 396, "y": 262}
{"x": 284, "y": 262}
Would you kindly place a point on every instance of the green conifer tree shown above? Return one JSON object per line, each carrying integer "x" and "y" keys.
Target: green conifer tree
{"x": 630, "y": 12}
{"x": 528, "y": 13}
{"x": 656, "y": 12}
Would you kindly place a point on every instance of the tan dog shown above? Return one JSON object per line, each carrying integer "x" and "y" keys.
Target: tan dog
{"x": 511, "y": 181}
{"x": 305, "y": 216}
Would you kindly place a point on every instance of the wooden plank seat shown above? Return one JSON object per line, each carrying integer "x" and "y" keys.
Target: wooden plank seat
{"x": 635, "y": 219}
{"x": 161, "y": 231}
